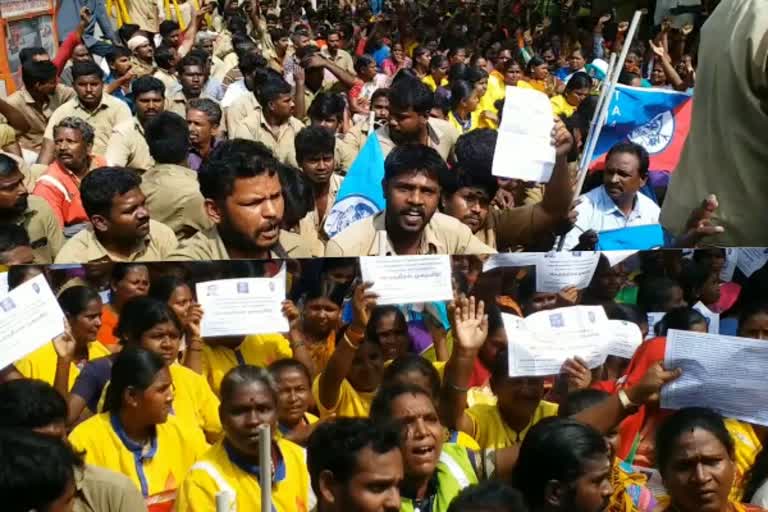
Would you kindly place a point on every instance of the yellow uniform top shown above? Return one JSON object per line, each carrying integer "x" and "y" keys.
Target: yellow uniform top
{"x": 41, "y": 364}
{"x": 258, "y": 350}
{"x": 309, "y": 419}
{"x": 560, "y": 107}
{"x": 351, "y": 403}
{"x": 429, "y": 81}
{"x": 158, "y": 469}
{"x": 491, "y": 432}
{"x": 220, "y": 469}
{"x": 746, "y": 447}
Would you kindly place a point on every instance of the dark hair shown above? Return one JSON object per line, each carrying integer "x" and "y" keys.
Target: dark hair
{"x": 127, "y": 31}
{"x": 141, "y": 314}
{"x": 381, "y": 407}
{"x": 271, "y": 89}
{"x": 682, "y": 319}
{"x": 189, "y": 60}
{"x": 278, "y": 367}
{"x": 411, "y": 93}
{"x": 246, "y": 374}
{"x": 100, "y": 187}
{"x": 168, "y": 26}
{"x": 8, "y": 165}
{"x": 19, "y": 274}
{"x": 380, "y": 92}
{"x": 377, "y": 314}
{"x": 145, "y": 84}
{"x": 460, "y": 91}
{"x": 488, "y": 495}
{"x": 414, "y": 363}
{"x": 86, "y": 69}
{"x": 30, "y": 404}
{"x": 75, "y": 300}
{"x": 415, "y": 157}
{"x": 134, "y": 367}
{"x": 231, "y": 160}
{"x": 164, "y": 56}
{"x": 250, "y": 62}
{"x": 297, "y": 192}
{"x": 121, "y": 270}
{"x": 627, "y": 77}
{"x": 436, "y": 61}
{"x": 167, "y": 136}
{"x": 458, "y": 72}
{"x": 654, "y": 292}
{"x": 327, "y": 105}
{"x": 474, "y": 151}
{"x": 756, "y": 475}
{"x": 554, "y": 449}
{"x": 419, "y": 51}
{"x": 637, "y": 151}
{"x": 76, "y": 123}
{"x": 35, "y": 469}
{"x": 12, "y": 236}
{"x": 314, "y": 141}
{"x": 683, "y": 422}
{"x": 535, "y": 62}
{"x": 163, "y": 287}
{"x": 37, "y": 72}
{"x": 580, "y": 400}
{"x": 751, "y": 309}
{"x": 27, "y": 54}
{"x": 693, "y": 275}
{"x": 335, "y": 446}
{"x": 627, "y": 312}
{"x": 453, "y": 50}
{"x": 116, "y": 52}
{"x": 579, "y": 80}
{"x": 207, "y": 106}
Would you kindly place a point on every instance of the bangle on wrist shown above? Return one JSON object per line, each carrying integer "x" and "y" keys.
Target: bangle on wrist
{"x": 349, "y": 342}
{"x": 457, "y": 388}
{"x": 626, "y": 402}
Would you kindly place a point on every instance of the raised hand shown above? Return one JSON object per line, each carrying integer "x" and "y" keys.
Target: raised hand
{"x": 194, "y": 317}
{"x": 577, "y": 374}
{"x": 64, "y": 343}
{"x": 291, "y": 313}
{"x": 561, "y": 138}
{"x": 470, "y": 323}
{"x": 648, "y": 390}
{"x": 363, "y": 302}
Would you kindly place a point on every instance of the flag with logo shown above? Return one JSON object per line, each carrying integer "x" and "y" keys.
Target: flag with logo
{"x": 657, "y": 119}
{"x": 361, "y": 194}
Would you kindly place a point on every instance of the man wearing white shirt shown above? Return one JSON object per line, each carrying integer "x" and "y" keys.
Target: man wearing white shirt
{"x": 617, "y": 203}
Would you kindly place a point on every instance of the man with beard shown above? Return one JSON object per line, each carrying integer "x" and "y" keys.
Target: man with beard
{"x": 170, "y": 186}
{"x": 410, "y": 102}
{"x": 142, "y": 60}
{"x": 30, "y": 212}
{"x": 564, "y": 465}
{"x": 410, "y": 223}
{"x": 127, "y": 145}
{"x": 120, "y": 229}
{"x": 244, "y": 199}
{"x": 355, "y": 465}
{"x": 203, "y": 121}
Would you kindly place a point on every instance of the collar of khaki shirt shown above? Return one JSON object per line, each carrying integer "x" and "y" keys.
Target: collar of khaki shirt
{"x": 213, "y": 240}
{"x": 95, "y": 252}
{"x": 382, "y": 245}
{"x": 103, "y": 105}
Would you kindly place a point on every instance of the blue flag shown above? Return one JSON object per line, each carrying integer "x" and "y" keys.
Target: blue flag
{"x": 360, "y": 195}
{"x": 637, "y": 238}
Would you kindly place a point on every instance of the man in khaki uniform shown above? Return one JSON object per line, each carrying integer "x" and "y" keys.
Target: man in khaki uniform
{"x": 335, "y": 54}
{"x": 244, "y": 199}
{"x": 38, "y": 100}
{"x": 121, "y": 229}
{"x": 410, "y": 102}
{"x": 144, "y": 13}
{"x": 166, "y": 58}
{"x": 726, "y": 152}
{"x": 142, "y": 60}
{"x": 171, "y": 188}
{"x": 410, "y": 223}
{"x": 192, "y": 79}
{"x": 273, "y": 125}
{"x": 102, "y": 111}
{"x": 18, "y": 207}
{"x": 128, "y": 145}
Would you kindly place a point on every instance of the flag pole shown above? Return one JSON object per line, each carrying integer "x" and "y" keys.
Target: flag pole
{"x": 615, "y": 68}
{"x": 265, "y": 467}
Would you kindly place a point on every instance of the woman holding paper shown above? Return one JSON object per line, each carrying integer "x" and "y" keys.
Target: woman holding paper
{"x": 249, "y": 399}
{"x": 151, "y": 325}
{"x": 136, "y": 435}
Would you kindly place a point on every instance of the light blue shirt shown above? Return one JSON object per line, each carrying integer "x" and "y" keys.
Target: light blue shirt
{"x": 598, "y": 212}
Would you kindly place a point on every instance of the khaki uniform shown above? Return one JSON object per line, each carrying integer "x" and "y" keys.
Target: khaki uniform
{"x": 345, "y": 154}
{"x": 144, "y": 13}
{"x": 45, "y": 235}
{"x": 311, "y": 226}
{"x": 208, "y": 246}
{"x": 239, "y": 110}
{"x": 442, "y": 138}
{"x": 357, "y": 135}
{"x": 141, "y": 68}
{"x": 176, "y": 101}
{"x": 508, "y": 230}
{"x": 22, "y": 101}
{"x": 99, "y": 489}
{"x": 726, "y": 152}
{"x": 342, "y": 59}
{"x": 173, "y": 198}
{"x": 219, "y": 68}
{"x": 167, "y": 78}
{"x": 442, "y": 235}
{"x": 281, "y": 142}
{"x": 128, "y": 147}
{"x": 111, "y": 112}
{"x": 84, "y": 247}
{"x": 7, "y": 135}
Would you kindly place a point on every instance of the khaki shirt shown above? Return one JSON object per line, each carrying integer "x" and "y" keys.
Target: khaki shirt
{"x": 84, "y": 247}
{"x": 7, "y": 135}
{"x": 727, "y": 158}
{"x": 145, "y": 14}
{"x": 176, "y": 102}
{"x": 45, "y": 235}
{"x": 345, "y": 154}
{"x": 239, "y": 110}
{"x": 110, "y": 113}
{"x": 442, "y": 138}
{"x": 128, "y": 148}
{"x": 311, "y": 226}
{"x": 141, "y": 68}
{"x": 208, "y": 246}
{"x": 357, "y": 135}
{"x": 167, "y": 78}
{"x": 442, "y": 235}
{"x": 37, "y": 119}
{"x": 98, "y": 489}
{"x": 281, "y": 142}
{"x": 342, "y": 59}
{"x": 174, "y": 198}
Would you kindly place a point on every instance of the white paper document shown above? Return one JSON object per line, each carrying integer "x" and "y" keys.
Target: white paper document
{"x": 654, "y": 317}
{"x": 713, "y": 319}
{"x": 558, "y": 270}
{"x": 625, "y": 337}
{"x": 540, "y": 343}
{"x": 30, "y": 317}
{"x": 512, "y": 259}
{"x": 724, "y": 373}
{"x": 524, "y": 150}
{"x": 234, "y": 307}
{"x": 731, "y": 258}
{"x": 408, "y": 279}
{"x": 751, "y": 259}
{"x": 616, "y": 257}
